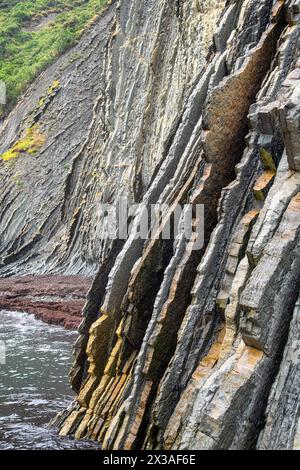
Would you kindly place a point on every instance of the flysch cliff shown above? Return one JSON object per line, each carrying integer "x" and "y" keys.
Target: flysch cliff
{"x": 173, "y": 102}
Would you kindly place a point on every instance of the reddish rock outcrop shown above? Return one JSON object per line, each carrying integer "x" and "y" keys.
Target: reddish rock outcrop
{"x": 56, "y": 300}
{"x": 179, "y": 348}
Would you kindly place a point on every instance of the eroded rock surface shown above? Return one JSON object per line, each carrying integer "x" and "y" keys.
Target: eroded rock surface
{"x": 172, "y": 102}
{"x": 56, "y": 300}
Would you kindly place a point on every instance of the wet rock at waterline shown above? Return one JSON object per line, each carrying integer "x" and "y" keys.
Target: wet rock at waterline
{"x": 178, "y": 103}
{"x": 56, "y": 300}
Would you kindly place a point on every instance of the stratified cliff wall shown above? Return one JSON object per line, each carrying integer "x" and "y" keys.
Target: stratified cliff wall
{"x": 173, "y": 102}
{"x": 105, "y": 110}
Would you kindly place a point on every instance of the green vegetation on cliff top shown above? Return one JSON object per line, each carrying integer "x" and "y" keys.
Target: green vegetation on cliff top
{"x": 34, "y": 33}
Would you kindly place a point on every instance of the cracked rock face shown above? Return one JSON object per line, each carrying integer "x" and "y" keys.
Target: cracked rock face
{"x": 182, "y": 102}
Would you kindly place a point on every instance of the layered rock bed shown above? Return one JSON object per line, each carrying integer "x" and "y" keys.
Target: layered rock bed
{"x": 56, "y": 300}
{"x": 166, "y": 104}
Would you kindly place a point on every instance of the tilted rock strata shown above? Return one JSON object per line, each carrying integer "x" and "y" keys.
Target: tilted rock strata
{"x": 182, "y": 348}
{"x": 99, "y": 110}
{"x": 282, "y": 430}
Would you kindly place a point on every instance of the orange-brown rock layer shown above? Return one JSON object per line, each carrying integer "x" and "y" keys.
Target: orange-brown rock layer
{"x": 187, "y": 344}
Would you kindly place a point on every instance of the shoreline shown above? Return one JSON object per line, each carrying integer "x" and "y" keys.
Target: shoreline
{"x": 54, "y": 299}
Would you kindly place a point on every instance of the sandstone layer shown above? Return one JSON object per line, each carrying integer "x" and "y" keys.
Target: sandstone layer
{"x": 171, "y": 102}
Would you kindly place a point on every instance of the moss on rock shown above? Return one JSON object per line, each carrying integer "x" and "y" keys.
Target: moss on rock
{"x": 31, "y": 143}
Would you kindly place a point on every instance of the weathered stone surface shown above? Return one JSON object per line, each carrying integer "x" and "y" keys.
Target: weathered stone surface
{"x": 178, "y": 348}
{"x": 56, "y": 300}
{"x": 268, "y": 278}
{"x": 290, "y": 118}
{"x": 122, "y": 91}
{"x": 282, "y": 415}
{"x": 215, "y": 387}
